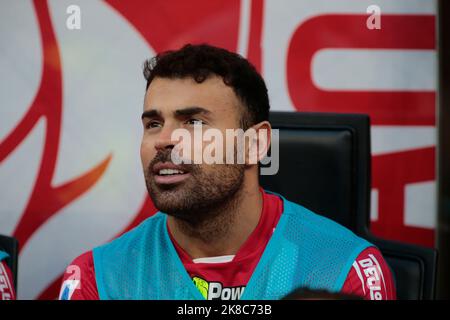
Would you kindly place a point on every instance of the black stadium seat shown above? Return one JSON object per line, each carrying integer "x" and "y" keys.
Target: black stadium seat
{"x": 10, "y": 245}
{"x": 325, "y": 166}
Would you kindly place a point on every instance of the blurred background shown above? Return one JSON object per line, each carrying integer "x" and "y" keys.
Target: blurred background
{"x": 72, "y": 91}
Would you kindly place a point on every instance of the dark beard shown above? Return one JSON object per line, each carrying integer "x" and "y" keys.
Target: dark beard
{"x": 202, "y": 197}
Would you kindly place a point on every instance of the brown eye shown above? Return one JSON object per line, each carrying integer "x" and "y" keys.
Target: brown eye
{"x": 195, "y": 122}
{"x": 153, "y": 124}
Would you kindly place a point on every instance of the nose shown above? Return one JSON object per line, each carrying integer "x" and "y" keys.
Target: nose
{"x": 164, "y": 140}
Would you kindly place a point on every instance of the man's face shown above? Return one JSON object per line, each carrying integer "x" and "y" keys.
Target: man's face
{"x": 187, "y": 190}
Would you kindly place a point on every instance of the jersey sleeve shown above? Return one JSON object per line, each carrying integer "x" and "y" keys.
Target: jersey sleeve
{"x": 370, "y": 277}
{"x": 6, "y": 283}
{"x": 79, "y": 280}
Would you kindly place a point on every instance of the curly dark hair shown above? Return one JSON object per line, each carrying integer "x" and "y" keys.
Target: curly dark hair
{"x": 201, "y": 61}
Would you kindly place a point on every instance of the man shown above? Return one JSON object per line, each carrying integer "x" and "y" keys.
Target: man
{"x": 218, "y": 234}
{"x": 6, "y": 281}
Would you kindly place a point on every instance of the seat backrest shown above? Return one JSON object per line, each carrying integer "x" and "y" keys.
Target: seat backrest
{"x": 324, "y": 165}
{"x": 10, "y": 245}
{"x": 414, "y": 268}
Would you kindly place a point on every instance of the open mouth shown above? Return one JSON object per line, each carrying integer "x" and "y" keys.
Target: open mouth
{"x": 169, "y": 173}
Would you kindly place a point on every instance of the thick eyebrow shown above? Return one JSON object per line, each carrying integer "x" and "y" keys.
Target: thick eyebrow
{"x": 151, "y": 114}
{"x": 190, "y": 111}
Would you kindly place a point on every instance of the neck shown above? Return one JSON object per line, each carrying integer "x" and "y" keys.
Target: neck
{"x": 226, "y": 228}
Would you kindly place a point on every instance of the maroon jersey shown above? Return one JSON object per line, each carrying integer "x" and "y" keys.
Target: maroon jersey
{"x": 6, "y": 283}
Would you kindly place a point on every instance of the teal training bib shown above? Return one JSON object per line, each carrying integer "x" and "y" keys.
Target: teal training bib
{"x": 305, "y": 250}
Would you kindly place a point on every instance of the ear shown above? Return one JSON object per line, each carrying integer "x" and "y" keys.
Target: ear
{"x": 260, "y": 140}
